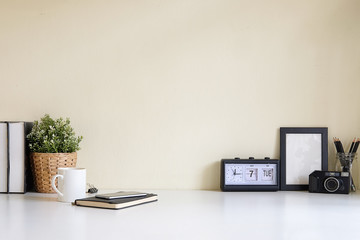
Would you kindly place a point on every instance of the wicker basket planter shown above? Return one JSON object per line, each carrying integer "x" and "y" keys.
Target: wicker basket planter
{"x": 44, "y": 166}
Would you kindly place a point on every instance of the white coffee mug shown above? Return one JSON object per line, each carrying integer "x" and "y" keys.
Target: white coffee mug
{"x": 71, "y": 184}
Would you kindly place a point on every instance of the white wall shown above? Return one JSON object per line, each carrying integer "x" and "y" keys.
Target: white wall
{"x": 162, "y": 90}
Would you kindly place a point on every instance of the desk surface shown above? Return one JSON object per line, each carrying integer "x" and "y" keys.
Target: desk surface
{"x": 186, "y": 215}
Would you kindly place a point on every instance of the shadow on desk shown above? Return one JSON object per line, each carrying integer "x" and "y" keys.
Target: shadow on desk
{"x": 41, "y": 197}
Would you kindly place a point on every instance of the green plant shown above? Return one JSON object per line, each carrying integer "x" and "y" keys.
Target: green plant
{"x": 53, "y": 136}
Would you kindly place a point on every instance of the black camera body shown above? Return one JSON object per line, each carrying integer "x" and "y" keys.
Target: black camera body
{"x": 329, "y": 182}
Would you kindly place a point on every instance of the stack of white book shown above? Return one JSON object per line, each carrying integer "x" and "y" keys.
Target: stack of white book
{"x": 13, "y": 156}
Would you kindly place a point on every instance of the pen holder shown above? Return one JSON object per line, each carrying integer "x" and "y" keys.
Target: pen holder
{"x": 346, "y": 160}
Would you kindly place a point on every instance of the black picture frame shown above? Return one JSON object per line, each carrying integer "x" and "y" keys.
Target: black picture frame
{"x": 302, "y": 150}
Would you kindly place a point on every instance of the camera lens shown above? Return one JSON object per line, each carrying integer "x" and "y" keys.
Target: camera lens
{"x": 331, "y": 184}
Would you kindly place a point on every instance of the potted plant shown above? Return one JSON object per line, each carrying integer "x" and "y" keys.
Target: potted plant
{"x": 52, "y": 144}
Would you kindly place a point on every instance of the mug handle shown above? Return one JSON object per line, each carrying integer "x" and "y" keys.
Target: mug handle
{"x": 53, "y": 183}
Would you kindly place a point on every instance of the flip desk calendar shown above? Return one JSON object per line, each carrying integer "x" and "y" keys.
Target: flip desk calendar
{"x": 249, "y": 175}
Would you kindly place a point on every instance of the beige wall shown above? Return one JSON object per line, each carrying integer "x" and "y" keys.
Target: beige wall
{"x": 162, "y": 90}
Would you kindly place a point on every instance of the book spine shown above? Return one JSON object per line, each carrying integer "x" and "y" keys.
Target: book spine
{"x": 7, "y": 158}
{"x": 3, "y": 157}
{"x": 29, "y": 180}
{"x": 18, "y": 157}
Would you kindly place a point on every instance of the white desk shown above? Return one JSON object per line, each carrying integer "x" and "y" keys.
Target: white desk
{"x": 186, "y": 215}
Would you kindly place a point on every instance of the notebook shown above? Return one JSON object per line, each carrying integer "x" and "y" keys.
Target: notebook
{"x": 118, "y": 203}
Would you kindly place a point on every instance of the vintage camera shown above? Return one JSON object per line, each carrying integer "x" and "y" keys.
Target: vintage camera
{"x": 329, "y": 182}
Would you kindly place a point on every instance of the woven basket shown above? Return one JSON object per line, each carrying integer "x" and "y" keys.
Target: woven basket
{"x": 44, "y": 166}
